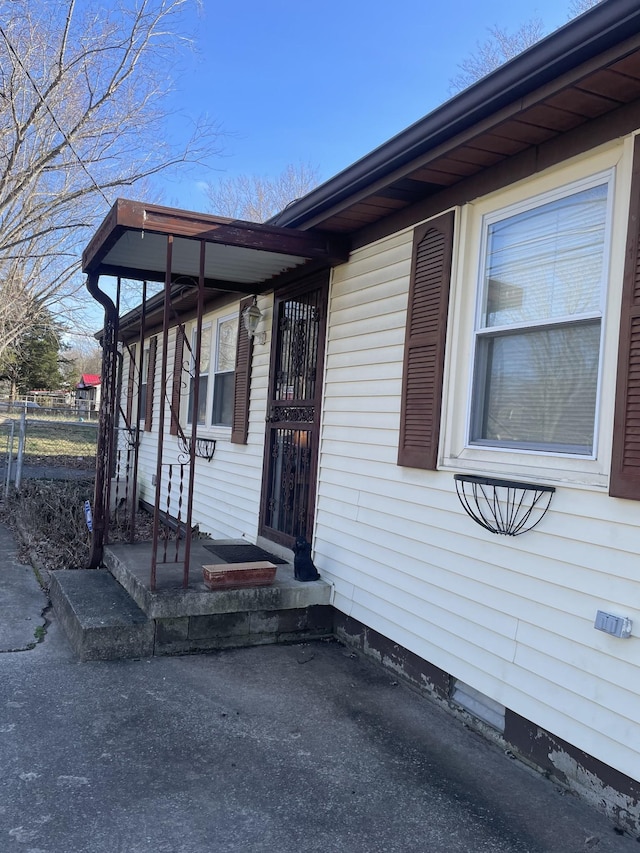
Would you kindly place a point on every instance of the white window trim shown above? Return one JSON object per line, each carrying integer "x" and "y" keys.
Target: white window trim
{"x": 500, "y": 215}
{"x": 221, "y": 428}
{"x": 142, "y": 382}
{"x": 207, "y": 330}
{"x": 210, "y": 323}
{"x": 456, "y": 452}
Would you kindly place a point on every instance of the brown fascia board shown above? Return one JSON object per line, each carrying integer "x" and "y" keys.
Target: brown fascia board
{"x": 609, "y": 25}
{"x": 102, "y": 241}
{"x": 138, "y": 216}
{"x": 250, "y": 235}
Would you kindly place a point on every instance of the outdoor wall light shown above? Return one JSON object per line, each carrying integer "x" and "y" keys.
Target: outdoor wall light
{"x": 251, "y": 317}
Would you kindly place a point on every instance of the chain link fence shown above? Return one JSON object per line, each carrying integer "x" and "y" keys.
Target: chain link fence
{"x": 49, "y": 412}
{"x": 47, "y": 473}
{"x": 47, "y": 477}
{"x": 47, "y": 446}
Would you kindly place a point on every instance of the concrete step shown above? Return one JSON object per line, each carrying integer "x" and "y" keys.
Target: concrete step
{"x": 130, "y": 565}
{"x": 103, "y": 622}
{"x": 100, "y": 619}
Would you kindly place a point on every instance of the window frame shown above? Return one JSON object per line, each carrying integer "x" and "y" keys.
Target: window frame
{"x": 142, "y": 385}
{"x": 210, "y": 327}
{"x": 456, "y": 454}
{"x": 482, "y": 331}
{"x": 147, "y": 401}
{"x": 130, "y": 399}
{"x": 233, "y": 319}
{"x": 207, "y": 329}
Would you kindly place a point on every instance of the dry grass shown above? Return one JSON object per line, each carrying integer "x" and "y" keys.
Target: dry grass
{"x": 48, "y": 519}
{"x": 68, "y": 445}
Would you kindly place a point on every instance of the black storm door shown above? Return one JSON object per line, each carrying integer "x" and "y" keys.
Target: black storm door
{"x": 293, "y": 414}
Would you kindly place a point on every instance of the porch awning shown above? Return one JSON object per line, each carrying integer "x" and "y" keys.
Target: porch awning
{"x": 240, "y": 257}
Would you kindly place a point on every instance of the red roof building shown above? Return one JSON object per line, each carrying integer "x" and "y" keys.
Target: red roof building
{"x": 88, "y": 393}
{"x": 88, "y": 380}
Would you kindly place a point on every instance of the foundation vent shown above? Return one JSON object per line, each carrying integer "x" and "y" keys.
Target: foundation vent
{"x": 478, "y": 705}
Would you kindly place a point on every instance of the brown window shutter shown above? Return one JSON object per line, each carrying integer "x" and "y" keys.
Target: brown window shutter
{"x": 151, "y": 374}
{"x": 131, "y": 382}
{"x": 425, "y": 343}
{"x": 625, "y": 457}
{"x": 176, "y": 384}
{"x": 240, "y": 425}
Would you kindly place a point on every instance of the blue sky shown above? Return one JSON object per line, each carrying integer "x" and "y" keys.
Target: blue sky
{"x": 324, "y": 83}
{"x": 293, "y": 81}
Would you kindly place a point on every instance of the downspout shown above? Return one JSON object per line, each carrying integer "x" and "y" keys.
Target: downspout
{"x": 114, "y": 392}
{"x": 106, "y": 419}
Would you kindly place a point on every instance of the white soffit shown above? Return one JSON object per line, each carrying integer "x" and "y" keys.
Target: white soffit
{"x": 147, "y": 251}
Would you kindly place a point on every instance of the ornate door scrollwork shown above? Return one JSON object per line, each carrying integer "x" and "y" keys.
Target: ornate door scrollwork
{"x": 293, "y": 412}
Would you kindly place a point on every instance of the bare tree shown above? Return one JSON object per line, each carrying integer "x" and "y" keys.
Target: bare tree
{"x": 577, "y": 7}
{"x": 490, "y": 54}
{"x": 82, "y": 355}
{"x": 256, "y": 198}
{"x": 503, "y": 45}
{"x": 81, "y": 118}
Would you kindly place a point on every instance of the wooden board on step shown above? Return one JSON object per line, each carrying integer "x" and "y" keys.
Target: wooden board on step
{"x": 238, "y": 575}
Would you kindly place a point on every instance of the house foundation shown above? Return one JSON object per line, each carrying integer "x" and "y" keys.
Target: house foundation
{"x": 606, "y": 789}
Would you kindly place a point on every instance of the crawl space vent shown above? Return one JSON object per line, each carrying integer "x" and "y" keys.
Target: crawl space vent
{"x": 478, "y": 705}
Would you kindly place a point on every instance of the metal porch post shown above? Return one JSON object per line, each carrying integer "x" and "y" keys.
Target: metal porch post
{"x": 163, "y": 380}
{"x": 136, "y": 427}
{"x": 194, "y": 416}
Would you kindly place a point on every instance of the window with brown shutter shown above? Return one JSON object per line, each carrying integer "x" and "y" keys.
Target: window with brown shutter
{"x": 425, "y": 343}
{"x": 242, "y": 381}
{"x": 176, "y": 383}
{"x": 151, "y": 373}
{"x": 625, "y": 458}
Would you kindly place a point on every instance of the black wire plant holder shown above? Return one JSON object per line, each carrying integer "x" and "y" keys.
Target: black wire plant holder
{"x": 131, "y": 437}
{"x": 502, "y": 506}
{"x": 204, "y": 447}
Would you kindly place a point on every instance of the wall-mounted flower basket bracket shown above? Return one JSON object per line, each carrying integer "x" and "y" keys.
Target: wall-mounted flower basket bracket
{"x": 204, "y": 447}
{"x": 130, "y": 437}
{"x": 503, "y": 506}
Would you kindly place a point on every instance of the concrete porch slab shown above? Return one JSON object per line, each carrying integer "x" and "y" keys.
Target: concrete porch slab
{"x": 131, "y": 566}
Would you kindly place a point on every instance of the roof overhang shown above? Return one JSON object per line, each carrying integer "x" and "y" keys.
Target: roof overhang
{"x": 239, "y": 257}
{"x": 587, "y": 70}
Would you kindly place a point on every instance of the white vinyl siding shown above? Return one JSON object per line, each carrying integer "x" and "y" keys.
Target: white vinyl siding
{"x": 510, "y": 617}
{"x": 227, "y": 494}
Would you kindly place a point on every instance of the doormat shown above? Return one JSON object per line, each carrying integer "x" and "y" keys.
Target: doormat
{"x": 242, "y": 553}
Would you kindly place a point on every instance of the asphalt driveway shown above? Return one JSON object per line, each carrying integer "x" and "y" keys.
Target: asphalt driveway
{"x": 294, "y": 749}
